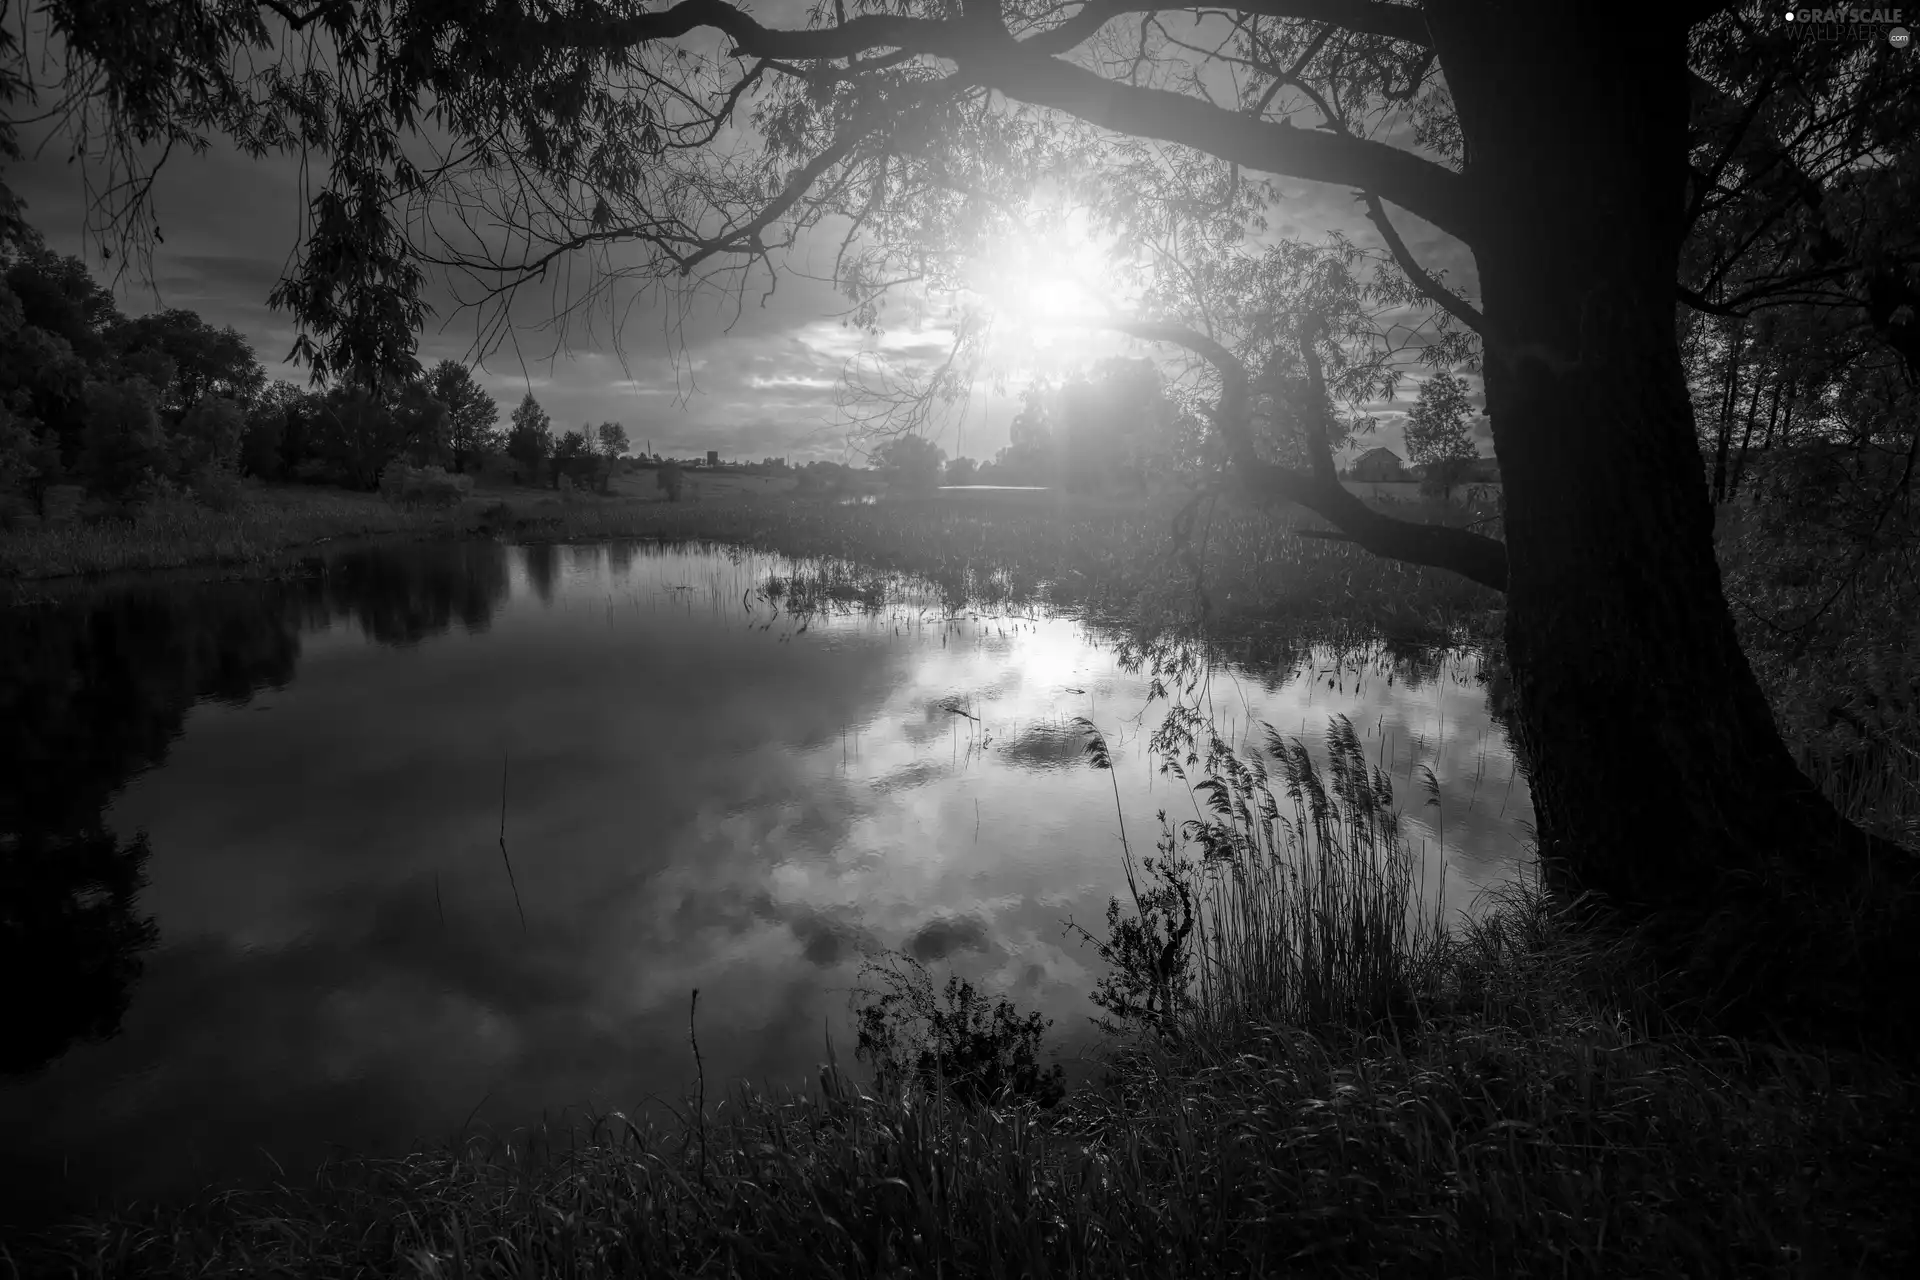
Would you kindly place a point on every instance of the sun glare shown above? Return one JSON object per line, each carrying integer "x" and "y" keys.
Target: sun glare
{"x": 1048, "y": 282}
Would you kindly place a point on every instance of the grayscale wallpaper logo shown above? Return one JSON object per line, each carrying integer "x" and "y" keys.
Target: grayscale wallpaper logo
{"x": 1846, "y": 22}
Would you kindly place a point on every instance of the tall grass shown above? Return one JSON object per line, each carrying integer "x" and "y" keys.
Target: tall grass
{"x": 1336, "y": 1086}
{"x": 258, "y": 533}
{"x": 1109, "y": 561}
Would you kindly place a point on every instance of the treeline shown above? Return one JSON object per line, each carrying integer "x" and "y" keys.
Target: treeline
{"x": 133, "y": 410}
{"x": 1806, "y": 389}
{"x": 1107, "y": 429}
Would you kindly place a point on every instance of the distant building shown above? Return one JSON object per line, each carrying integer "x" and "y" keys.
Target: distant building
{"x": 1377, "y": 465}
{"x": 713, "y": 457}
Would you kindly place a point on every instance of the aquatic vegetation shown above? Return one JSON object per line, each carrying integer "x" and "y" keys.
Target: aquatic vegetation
{"x": 975, "y": 1052}
{"x": 1313, "y": 1070}
{"x": 1363, "y": 1097}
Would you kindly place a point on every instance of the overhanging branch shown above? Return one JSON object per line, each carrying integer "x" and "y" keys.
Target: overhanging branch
{"x": 1025, "y": 71}
{"x": 1473, "y": 556}
{"x": 1446, "y": 299}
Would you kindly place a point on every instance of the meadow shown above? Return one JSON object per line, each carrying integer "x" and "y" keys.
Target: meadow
{"x": 1306, "y": 1075}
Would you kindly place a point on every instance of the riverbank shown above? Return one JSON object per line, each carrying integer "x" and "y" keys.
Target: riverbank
{"x": 1510, "y": 1104}
{"x": 1521, "y": 1111}
{"x": 1107, "y": 558}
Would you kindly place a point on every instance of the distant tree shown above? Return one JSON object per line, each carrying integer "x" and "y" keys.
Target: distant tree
{"x": 43, "y": 376}
{"x": 472, "y": 414}
{"x": 1436, "y": 432}
{"x": 1111, "y": 424}
{"x": 354, "y": 434}
{"x": 613, "y": 442}
{"x": 1029, "y": 456}
{"x": 910, "y": 462}
{"x": 267, "y": 430}
{"x": 529, "y": 440}
{"x": 962, "y": 471}
{"x": 612, "y": 439}
{"x": 422, "y": 422}
{"x": 126, "y": 446}
{"x": 199, "y": 360}
{"x": 670, "y": 479}
{"x": 573, "y": 457}
{"x": 29, "y": 461}
{"x": 59, "y": 296}
{"x": 207, "y": 438}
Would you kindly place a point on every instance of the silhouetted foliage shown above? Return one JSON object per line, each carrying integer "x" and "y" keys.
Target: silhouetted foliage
{"x": 94, "y": 689}
{"x": 910, "y": 462}
{"x": 982, "y": 1053}
{"x": 1436, "y": 432}
{"x": 529, "y": 440}
{"x": 669, "y": 478}
{"x": 574, "y": 458}
{"x": 68, "y": 919}
{"x": 472, "y": 415}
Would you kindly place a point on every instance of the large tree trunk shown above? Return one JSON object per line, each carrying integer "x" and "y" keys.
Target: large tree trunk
{"x": 1659, "y": 777}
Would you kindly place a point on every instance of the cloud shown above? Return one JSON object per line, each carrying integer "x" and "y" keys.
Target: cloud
{"x": 751, "y": 366}
{"x": 944, "y": 935}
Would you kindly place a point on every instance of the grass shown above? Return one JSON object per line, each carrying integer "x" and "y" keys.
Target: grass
{"x": 1828, "y": 617}
{"x": 1330, "y": 1084}
{"x": 264, "y": 533}
{"x": 1311, "y": 1071}
{"x": 1106, "y": 559}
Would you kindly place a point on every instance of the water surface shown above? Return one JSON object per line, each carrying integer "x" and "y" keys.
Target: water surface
{"x": 700, "y": 790}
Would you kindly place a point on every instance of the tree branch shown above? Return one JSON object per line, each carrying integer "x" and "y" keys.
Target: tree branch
{"x": 1473, "y": 556}
{"x": 1024, "y": 71}
{"x": 1446, "y": 299}
{"x": 1363, "y": 17}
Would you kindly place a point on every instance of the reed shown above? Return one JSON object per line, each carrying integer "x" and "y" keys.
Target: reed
{"x": 1346, "y": 1084}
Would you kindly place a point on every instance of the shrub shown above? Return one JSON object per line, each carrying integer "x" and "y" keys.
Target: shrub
{"x": 208, "y": 436}
{"x": 981, "y": 1054}
{"x": 124, "y": 443}
{"x": 217, "y": 489}
{"x": 431, "y": 485}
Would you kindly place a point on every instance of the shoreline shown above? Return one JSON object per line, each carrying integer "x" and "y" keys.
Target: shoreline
{"x": 1107, "y": 559}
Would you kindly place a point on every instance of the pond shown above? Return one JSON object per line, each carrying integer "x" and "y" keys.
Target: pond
{"x": 449, "y": 833}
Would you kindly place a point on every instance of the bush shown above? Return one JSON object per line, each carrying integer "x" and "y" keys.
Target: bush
{"x": 208, "y": 436}
{"x": 981, "y": 1053}
{"x": 431, "y": 485}
{"x": 125, "y": 447}
{"x": 217, "y": 489}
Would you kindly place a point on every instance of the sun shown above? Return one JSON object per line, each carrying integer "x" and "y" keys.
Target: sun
{"x": 1049, "y": 281}
{"x": 1055, "y": 297}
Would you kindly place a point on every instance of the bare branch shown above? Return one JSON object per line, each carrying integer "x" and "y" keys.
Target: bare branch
{"x": 989, "y": 57}
{"x": 1446, "y": 299}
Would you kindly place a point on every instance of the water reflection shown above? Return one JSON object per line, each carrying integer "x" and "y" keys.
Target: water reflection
{"x": 699, "y": 790}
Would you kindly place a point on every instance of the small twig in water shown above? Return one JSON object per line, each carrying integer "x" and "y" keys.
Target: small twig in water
{"x": 700, "y": 1071}
{"x": 503, "y": 845}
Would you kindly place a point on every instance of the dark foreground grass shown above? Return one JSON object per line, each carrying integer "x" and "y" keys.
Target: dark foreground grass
{"x": 1313, "y": 1080}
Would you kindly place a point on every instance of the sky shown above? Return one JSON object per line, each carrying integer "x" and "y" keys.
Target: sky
{"x": 767, "y": 381}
